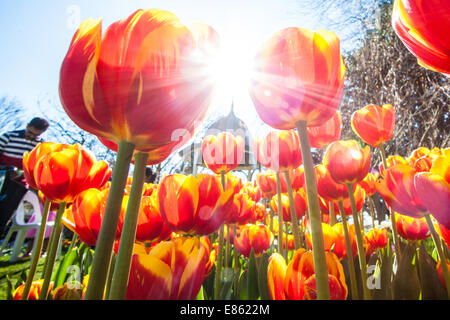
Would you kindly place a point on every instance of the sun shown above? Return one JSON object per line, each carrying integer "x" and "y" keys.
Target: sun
{"x": 233, "y": 66}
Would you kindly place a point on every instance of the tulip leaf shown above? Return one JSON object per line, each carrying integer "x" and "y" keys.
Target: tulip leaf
{"x": 406, "y": 284}
{"x": 243, "y": 291}
{"x": 252, "y": 278}
{"x": 9, "y": 289}
{"x": 432, "y": 288}
{"x": 262, "y": 277}
{"x": 71, "y": 258}
{"x": 383, "y": 292}
{"x": 200, "y": 295}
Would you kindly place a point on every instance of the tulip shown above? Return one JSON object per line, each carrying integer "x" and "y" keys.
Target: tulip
{"x": 329, "y": 237}
{"x": 35, "y": 290}
{"x": 150, "y": 225}
{"x": 299, "y": 278}
{"x": 374, "y": 124}
{"x": 444, "y": 233}
{"x": 193, "y": 205}
{"x": 297, "y": 86}
{"x": 368, "y": 184}
{"x": 376, "y": 239}
{"x": 62, "y": 175}
{"x": 398, "y": 191}
{"x": 171, "y": 270}
{"x": 423, "y": 27}
{"x": 330, "y": 131}
{"x": 255, "y": 236}
{"x": 222, "y": 153}
{"x": 306, "y": 76}
{"x": 412, "y": 228}
{"x": 440, "y": 273}
{"x": 340, "y": 247}
{"x": 267, "y": 184}
{"x": 433, "y": 189}
{"x": 276, "y": 274}
{"x": 299, "y": 203}
{"x": 346, "y": 161}
{"x": 241, "y": 211}
{"x": 279, "y": 150}
{"x": 67, "y": 291}
{"x": 114, "y": 87}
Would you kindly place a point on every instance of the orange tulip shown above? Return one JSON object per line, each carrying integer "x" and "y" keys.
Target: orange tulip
{"x": 290, "y": 242}
{"x": 35, "y": 290}
{"x": 172, "y": 270}
{"x": 299, "y": 77}
{"x": 374, "y": 124}
{"x": 327, "y": 188}
{"x": 412, "y": 228}
{"x": 62, "y": 175}
{"x": 392, "y": 161}
{"x": 347, "y": 161}
{"x": 254, "y": 236}
{"x": 67, "y": 292}
{"x": 193, "y": 205}
{"x": 276, "y": 274}
{"x": 368, "y": 184}
{"x": 376, "y": 239}
{"x": 433, "y": 189}
{"x": 85, "y": 216}
{"x": 340, "y": 249}
{"x": 222, "y": 153}
{"x": 259, "y": 212}
{"x": 423, "y": 28}
{"x": 144, "y": 78}
{"x": 241, "y": 211}
{"x": 233, "y": 182}
{"x": 422, "y": 158}
{"x": 299, "y": 277}
{"x": 329, "y": 237}
{"x": 30, "y": 160}
{"x": 210, "y": 254}
{"x": 278, "y": 150}
{"x": 330, "y": 131}
{"x": 398, "y": 191}
{"x": 299, "y": 203}
{"x": 150, "y": 226}
{"x": 253, "y": 192}
{"x": 267, "y": 184}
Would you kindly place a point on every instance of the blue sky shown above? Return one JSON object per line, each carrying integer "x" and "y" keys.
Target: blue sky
{"x": 36, "y": 35}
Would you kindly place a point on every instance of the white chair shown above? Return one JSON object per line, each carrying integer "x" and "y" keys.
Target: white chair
{"x": 21, "y": 227}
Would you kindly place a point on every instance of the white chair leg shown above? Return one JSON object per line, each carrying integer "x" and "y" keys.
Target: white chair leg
{"x": 6, "y": 240}
{"x": 18, "y": 243}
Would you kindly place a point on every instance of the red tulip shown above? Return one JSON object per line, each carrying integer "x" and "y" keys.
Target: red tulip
{"x": 377, "y": 238}
{"x": 222, "y": 153}
{"x": 172, "y": 270}
{"x": 30, "y": 160}
{"x": 151, "y": 226}
{"x": 144, "y": 78}
{"x": 35, "y": 290}
{"x": 330, "y": 131}
{"x": 412, "y": 228}
{"x": 374, "y": 124}
{"x": 346, "y": 161}
{"x": 327, "y": 188}
{"x": 299, "y": 203}
{"x": 85, "y": 216}
{"x": 433, "y": 189}
{"x": 299, "y": 277}
{"x": 299, "y": 77}
{"x": 398, "y": 191}
{"x": 340, "y": 250}
{"x": 423, "y": 27}
{"x": 368, "y": 184}
{"x": 193, "y": 205}
{"x": 255, "y": 236}
{"x": 241, "y": 211}
{"x": 278, "y": 150}
{"x": 62, "y": 175}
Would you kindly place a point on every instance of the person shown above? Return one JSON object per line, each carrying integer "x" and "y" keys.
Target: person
{"x": 13, "y": 145}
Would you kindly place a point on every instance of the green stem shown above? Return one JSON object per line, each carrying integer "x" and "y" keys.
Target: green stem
{"x": 294, "y": 220}
{"x": 106, "y": 237}
{"x": 124, "y": 255}
{"x": 219, "y": 266}
{"x": 359, "y": 243}
{"x": 227, "y": 248}
{"x": 440, "y": 252}
{"x": 320, "y": 264}
{"x": 372, "y": 211}
{"x": 37, "y": 251}
{"x": 349, "y": 251}
{"x": 391, "y": 212}
{"x": 51, "y": 255}
{"x": 109, "y": 279}
{"x": 332, "y": 214}
{"x": 280, "y": 216}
